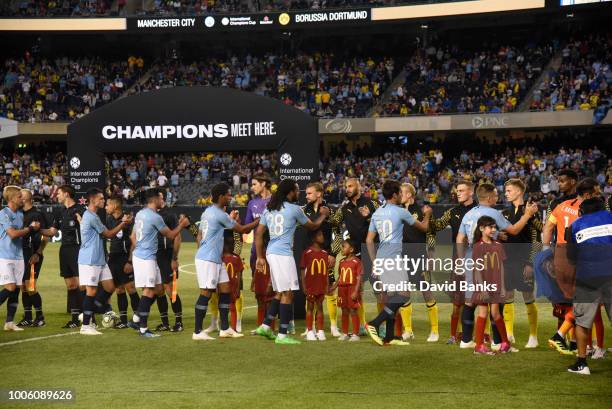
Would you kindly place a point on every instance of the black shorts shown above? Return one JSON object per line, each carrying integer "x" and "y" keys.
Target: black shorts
{"x": 69, "y": 264}
{"x": 164, "y": 262}
{"x": 26, "y": 258}
{"x": 116, "y": 264}
{"x": 514, "y": 278}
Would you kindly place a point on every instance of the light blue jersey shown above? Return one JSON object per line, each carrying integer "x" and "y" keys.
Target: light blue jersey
{"x": 92, "y": 245}
{"x": 470, "y": 220}
{"x": 212, "y": 224}
{"x": 281, "y": 225}
{"x": 388, "y": 221}
{"x": 147, "y": 224}
{"x": 10, "y": 249}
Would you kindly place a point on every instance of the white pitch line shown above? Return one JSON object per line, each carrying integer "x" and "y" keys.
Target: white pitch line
{"x": 21, "y": 341}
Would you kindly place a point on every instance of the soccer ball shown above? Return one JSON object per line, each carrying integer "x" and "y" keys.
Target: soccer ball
{"x": 75, "y": 162}
{"x": 109, "y": 319}
{"x": 285, "y": 159}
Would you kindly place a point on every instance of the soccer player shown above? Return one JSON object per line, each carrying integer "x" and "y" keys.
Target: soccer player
{"x": 167, "y": 261}
{"x": 519, "y": 267}
{"x": 487, "y": 197}
{"x": 93, "y": 270}
{"x": 491, "y": 252}
{"x": 560, "y": 219}
{"x": 280, "y": 219}
{"x": 355, "y": 215}
{"x": 415, "y": 245}
{"x": 68, "y": 224}
{"x": 33, "y": 247}
{"x": 260, "y": 187}
{"x": 147, "y": 224}
{"x": 120, "y": 267}
{"x": 11, "y": 252}
{"x": 314, "y": 277}
{"x": 209, "y": 264}
{"x": 388, "y": 224}
{"x": 591, "y": 239}
{"x": 234, "y": 267}
{"x": 452, "y": 217}
{"x": 349, "y": 290}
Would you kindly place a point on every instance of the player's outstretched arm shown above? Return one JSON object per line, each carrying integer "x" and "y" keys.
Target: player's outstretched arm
{"x": 171, "y": 234}
{"x": 314, "y": 225}
{"x": 245, "y": 228}
{"x": 460, "y": 243}
{"x": 259, "y": 248}
{"x": 423, "y": 225}
{"x": 547, "y": 234}
{"x": 436, "y": 225}
{"x": 126, "y": 220}
{"x": 371, "y": 245}
{"x": 517, "y": 227}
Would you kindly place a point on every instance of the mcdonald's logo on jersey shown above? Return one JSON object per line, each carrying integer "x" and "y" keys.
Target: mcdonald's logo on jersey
{"x": 321, "y": 266}
{"x": 493, "y": 261}
{"x": 344, "y": 272}
{"x": 229, "y": 267}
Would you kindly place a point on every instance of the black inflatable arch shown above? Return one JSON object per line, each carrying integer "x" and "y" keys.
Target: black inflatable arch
{"x": 192, "y": 119}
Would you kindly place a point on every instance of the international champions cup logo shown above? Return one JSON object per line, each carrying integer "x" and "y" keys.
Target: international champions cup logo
{"x": 75, "y": 162}
{"x": 321, "y": 266}
{"x": 286, "y": 159}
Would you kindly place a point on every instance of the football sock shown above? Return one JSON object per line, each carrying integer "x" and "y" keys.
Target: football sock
{"x": 261, "y": 313}
{"x": 406, "y": 314}
{"x": 599, "y": 328}
{"x": 532, "y": 318}
{"x": 162, "y": 304}
{"x": 488, "y": 323}
{"x": 432, "y": 311}
{"x": 387, "y": 313}
{"x": 320, "y": 320}
{"x": 101, "y": 304}
{"x": 332, "y": 309}
{"x": 213, "y": 307}
{"x": 233, "y": 316}
{"x": 356, "y": 323}
{"x": 239, "y": 306}
{"x": 134, "y": 299}
{"x": 177, "y": 309}
{"x": 122, "y": 304}
{"x": 12, "y": 304}
{"x": 4, "y": 295}
{"x": 494, "y": 330}
{"x": 309, "y": 320}
{"x": 82, "y": 294}
{"x": 398, "y": 324}
{"x": 36, "y": 301}
{"x": 501, "y": 327}
{"x": 224, "y": 304}
{"x": 467, "y": 322}
{"x": 73, "y": 303}
{"x": 200, "y": 312}
{"x": 88, "y": 309}
{"x": 27, "y": 306}
{"x": 480, "y": 327}
{"x": 361, "y": 313}
{"x": 285, "y": 317}
{"x": 380, "y": 306}
{"x": 509, "y": 318}
{"x": 144, "y": 308}
{"x": 455, "y": 321}
{"x": 345, "y": 322}
{"x": 272, "y": 312}
{"x": 390, "y": 334}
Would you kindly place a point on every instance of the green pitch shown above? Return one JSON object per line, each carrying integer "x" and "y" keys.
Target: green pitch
{"x": 121, "y": 369}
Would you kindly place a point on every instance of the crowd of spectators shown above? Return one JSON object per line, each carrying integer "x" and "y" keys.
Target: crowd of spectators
{"x": 446, "y": 79}
{"x": 87, "y": 8}
{"x": 583, "y": 78}
{"x": 433, "y": 170}
{"x": 321, "y": 84}
{"x": 34, "y": 88}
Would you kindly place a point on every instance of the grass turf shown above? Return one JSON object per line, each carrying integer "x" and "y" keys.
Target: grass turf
{"x": 121, "y": 368}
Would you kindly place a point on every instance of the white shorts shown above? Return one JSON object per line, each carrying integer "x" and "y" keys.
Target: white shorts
{"x": 91, "y": 275}
{"x": 11, "y": 271}
{"x": 146, "y": 273}
{"x": 283, "y": 273}
{"x": 210, "y": 274}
